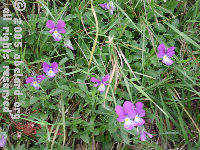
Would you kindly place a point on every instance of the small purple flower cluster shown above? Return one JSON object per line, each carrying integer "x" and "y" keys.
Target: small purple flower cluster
{"x": 132, "y": 117}
{"x": 50, "y": 71}
{"x": 102, "y": 84}
{"x": 56, "y": 31}
{"x": 166, "y": 54}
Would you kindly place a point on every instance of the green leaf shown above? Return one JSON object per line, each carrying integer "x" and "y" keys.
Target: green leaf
{"x": 33, "y": 100}
{"x": 85, "y": 137}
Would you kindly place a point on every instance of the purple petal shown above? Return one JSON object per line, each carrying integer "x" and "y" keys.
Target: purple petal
{"x": 139, "y": 110}
{"x": 120, "y": 112}
{"x": 57, "y": 36}
{"x": 104, "y": 5}
{"x": 36, "y": 85}
{"x": 102, "y": 88}
{"x": 139, "y": 105}
{"x": 97, "y": 84}
{"x": 170, "y": 51}
{"x": 105, "y": 78}
{"x": 45, "y": 67}
{"x": 29, "y": 80}
{"x": 52, "y": 31}
{"x": 167, "y": 61}
{"x": 93, "y": 79}
{"x": 50, "y": 24}
{"x": 2, "y": 141}
{"x": 161, "y": 50}
{"x": 143, "y": 136}
{"x": 150, "y": 135}
{"x": 54, "y": 67}
{"x": 61, "y": 30}
{"x": 139, "y": 123}
{"x": 129, "y": 126}
{"x": 141, "y": 113}
{"x": 61, "y": 26}
{"x": 129, "y": 109}
{"x": 51, "y": 75}
{"x": 40, "y": 78}
{"x": 120, "y": 119}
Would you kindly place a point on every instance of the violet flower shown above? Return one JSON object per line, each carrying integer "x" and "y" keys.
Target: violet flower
{"x": 144, "y": 134}
{"x": 56, "y": 29}
{"x": 68, "y": 44}
{"x": 108, "y": 6}
{"x": 125, "y": 114}
{"x": 35, "y": 81}
{"x": 101, "y": 83}
{"x": 138, "y": 121}
{"x": 2, "y": 141}
{"x": 50, "y": 70}
{"x": 166, "y": 54}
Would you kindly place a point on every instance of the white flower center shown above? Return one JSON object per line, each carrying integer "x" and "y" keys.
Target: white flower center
{"x": 102, "y": 87}
{"x": 137, "y": 119}
{"x": 50, "y": 73}
{"x": 128, "y": 121}
{"x": 35, "y": 83}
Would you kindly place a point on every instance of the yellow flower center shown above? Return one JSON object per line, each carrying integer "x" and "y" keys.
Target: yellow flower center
{"x": 126, "y": 119}
{"x": 34, "y": 82}
{"x": 56, "y": 31}
{"x": 136, "y": 117}
{"x": 165, "y": 56}
{"x": 50, "y": 71}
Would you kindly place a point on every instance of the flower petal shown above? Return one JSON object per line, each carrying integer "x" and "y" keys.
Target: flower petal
{"x": 29, "y": 80}
{"x": 52, "y": 31}
{"x": 167, "y": 61}
{"x": 50, "y": 24}
{"x": 143, "y": 136}
{"x": 61, "y": 26}
{"x": 139, "y": 123}
{"x": 51, "y": 74}
{"x": 141, "y": 113}
{"x": 2, "y": 141}
{"x": 150, "y": 135}
{"x": 170, "y": 51}
{"x": 129, "y": 109}
{"x": 102, "y": 88}
{"x": 105, "y": 78}
{"x": 45, "y": 67}
{"x": 35, "y": 85}
{"x": 93, "y": 79}
{"x": 139, "y": 105}
{"x": 104, "y": 5}
{"x": 57, "y": 36}
{"x": 68, "y": 44}
{"x": 161, "y": 50}
{"x": 40, "y": 78}
{"x": 129, "y": 125}
{"x": 120, "y": 112}
{"x": 54, "y": 67}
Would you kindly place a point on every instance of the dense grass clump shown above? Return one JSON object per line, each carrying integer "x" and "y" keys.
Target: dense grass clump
{"x": 121, "y": 74}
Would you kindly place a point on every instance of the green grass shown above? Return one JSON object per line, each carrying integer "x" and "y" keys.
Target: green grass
{"x": 69, "y": 104}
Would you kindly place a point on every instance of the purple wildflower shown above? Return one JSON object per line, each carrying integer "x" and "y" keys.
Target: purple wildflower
{"x": 35, "y": 81}
{"x": 125, "y": 114}
{"x": 56, "y": 29}
{"x": 50, "y": 70}
{"x": 101, "y": 83}
{"x": 166, "y": 55}
{"x": 144, "y": 134}
{"x": 138, "y": 121}
{"x": 68, "y": 44}
{"x": 2, "y": 141}
{"x": 108, "y": 6}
